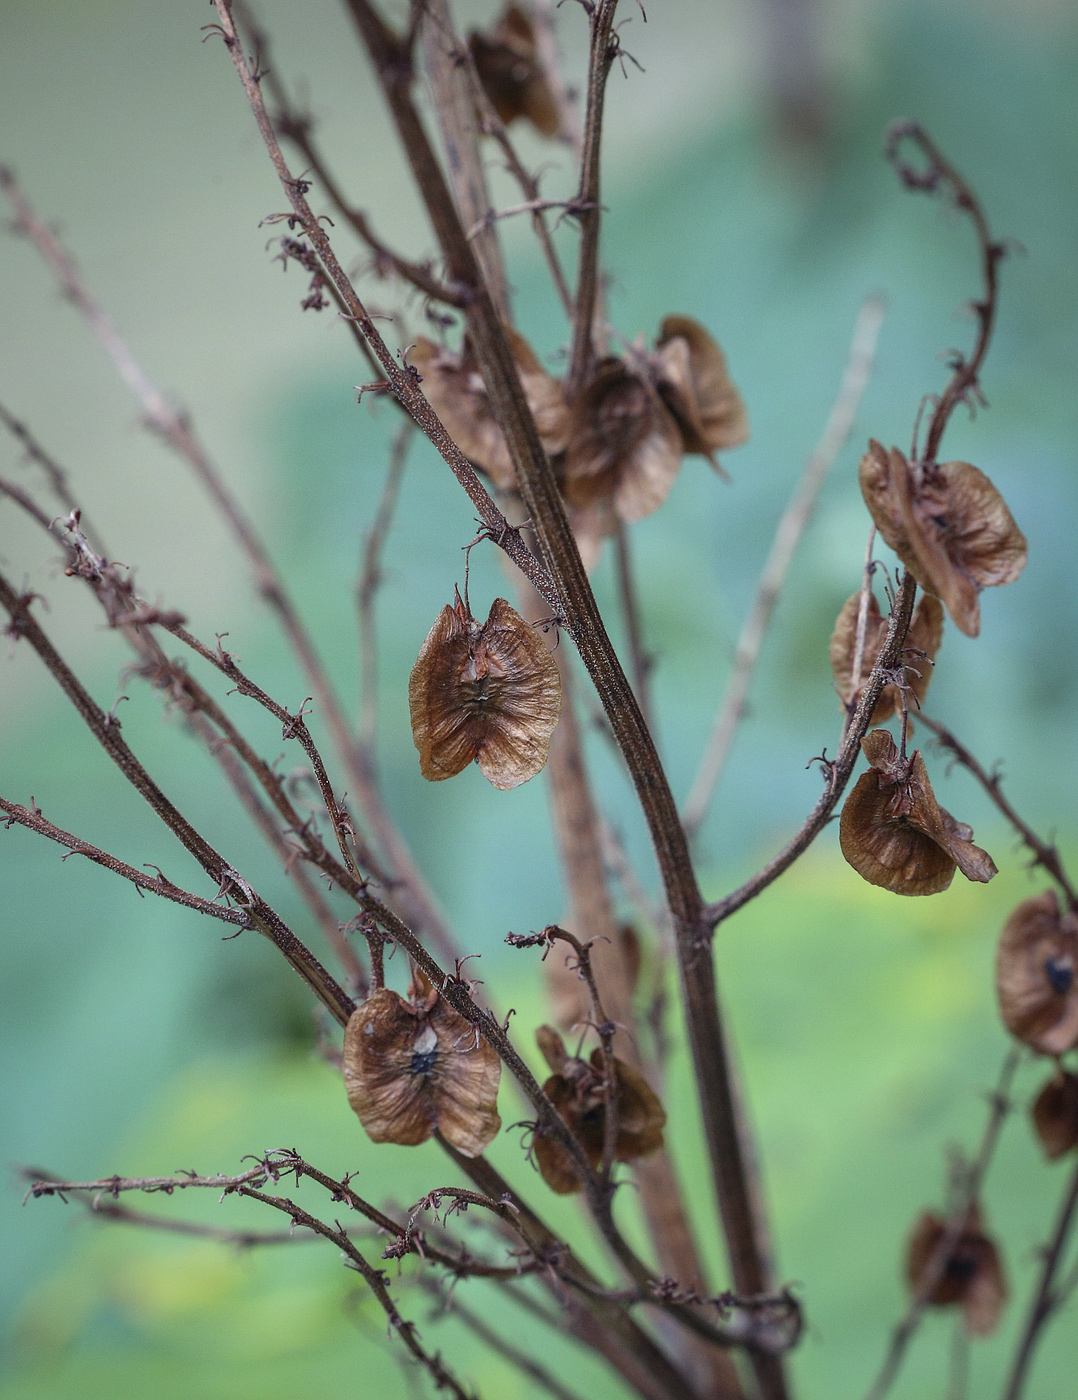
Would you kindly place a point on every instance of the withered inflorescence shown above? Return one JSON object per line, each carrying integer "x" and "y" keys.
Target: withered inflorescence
{"x": 487, "y": 692}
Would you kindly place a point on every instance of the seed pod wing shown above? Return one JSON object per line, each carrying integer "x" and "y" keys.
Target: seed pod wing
{"x": 1055, "y": 1115}
{"x": 467, "y": 1083}
{"x": 442, "y": 727}
{"x": 526, "y": 689}
{"x": 1037, "y": 975}
{"x": 392, "y": 1103}
{"x": 697, "y": 387}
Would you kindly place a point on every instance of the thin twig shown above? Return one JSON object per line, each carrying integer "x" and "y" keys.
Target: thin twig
{"x": 1049, "y": 1296}
{"x": 604, "y": 48}
{"x": 999, "y": 1107}
{"x": 106, "y": 730}
{"x": 861, "y": 634}
{"x": 370, "y": 579}
{"x": 964, "y": 386}
{"x": 788, "y": 535}
{"x": 1045, "y": 855}
{"x": 640, "y": 662}
{"x": 54, "y": 472}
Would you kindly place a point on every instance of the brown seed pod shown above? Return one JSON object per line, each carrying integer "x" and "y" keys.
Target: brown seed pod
{"x": 972, "y": 1277}
{"x": 895, "y": 834}
{"x": 1036, "y": 967}
{"x": 623, "y": 444}
{"x": 507, "y": 61}
{"x": 949, "y": 526}
{"x": 489, "y": 693}
{"x": 922, "y": 643}
{"x": 1055, "y": 1115}
{"x": 576, "y": 1089}
{"x": 413, "y": 1066}
{"x": 455, "y": 389}
{"x": 695, "y": 385}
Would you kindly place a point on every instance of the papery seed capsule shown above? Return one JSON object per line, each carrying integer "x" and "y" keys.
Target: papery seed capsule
{"x": 413, "y": 1066}
{"x": 577, "y": 1090}
{"x": 949, "y": 526}
{"x": 922, "y": 643}
{"x": 1055, "y": 1115}
{"x": 1037, "y": 975}
{"x": 972, "y": 1275}
{"x": 487, "y": 693}
{"x": 507, "y": 61}
{"x": 894, "y": 833}
{"x": 695, "y": 385}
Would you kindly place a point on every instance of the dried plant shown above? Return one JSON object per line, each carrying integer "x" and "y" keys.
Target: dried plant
{"x": 556, "y": 467}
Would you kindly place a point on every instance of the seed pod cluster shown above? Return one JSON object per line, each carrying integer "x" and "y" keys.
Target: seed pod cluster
{"x": 895, "y": 834}
{"x": 1036, "y": 967}
{"x": 488, "y": 693}
{"x": 414, "y": 1066}
{"x": 972, "y": 1277}
{"x": 949, "y": 526}
{"x": 577, "y": 1089}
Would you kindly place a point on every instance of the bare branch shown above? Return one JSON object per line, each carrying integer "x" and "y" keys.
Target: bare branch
{"x": 370, "y": 577}
{"x": 788, "y": 535}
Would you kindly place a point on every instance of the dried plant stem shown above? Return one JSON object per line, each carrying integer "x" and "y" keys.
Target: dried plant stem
{"x": 861, "y": 634}
{"x": 639, "y": 660}
{"x": 969, "y": 1191}
{"x": 788, "y": 535}
{"x": 1044, "y": 853}
{"x": 963, "y": 386}
{"x": 1048, "y": 1296}
{"x": 107, "y": 732}
{"x": 603, "y": 51}
{"x": 54, "y": 472}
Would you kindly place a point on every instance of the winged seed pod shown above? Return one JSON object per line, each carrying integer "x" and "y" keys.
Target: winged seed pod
{"x": 455, "y": 389}
{"x": 972, "y": 1277}
{"x": 894, "y": 833}
{"x": 507, "y": 61}
{"x": 922, "y": 643}
{"x": 576, "y": 1089}
{"x": 949, "y": 526}
{"x": 413, "y": 1066}
{"x": 696, "y": 386}
{"x": 489, "y": 692}
{"x": 1055, "y": 1115}
{"x": 1036, "y": 963}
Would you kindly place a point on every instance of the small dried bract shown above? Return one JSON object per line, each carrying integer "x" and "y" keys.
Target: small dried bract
{"x": 489, "y": 693}
{"x": 455, "y": 389}
{"x": 949, "y": 526}
{"x": 507, "y": 61}
{"x": 577, "y": 1090}
{"x": 413, "y": 1066}
{"x": 922, "y": 643}
{"x": 1055, "y": 1115}
{"x": 895, "y": 834}
{"x": 972, "y": 1277}
{"x": 1036, "y": 966}
{"x": 634, "y": 420}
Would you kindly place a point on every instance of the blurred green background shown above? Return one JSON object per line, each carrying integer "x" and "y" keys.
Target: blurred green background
{"x": 133, "y": 1039}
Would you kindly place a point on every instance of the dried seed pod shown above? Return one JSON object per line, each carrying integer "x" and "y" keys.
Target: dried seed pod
{"x": 972, "y": 1277}
{"x": 413, "y": 1066}
{"x": 1055, "y": 1114}
{"x": 456, "y": 392}
{"x": 1036, "y": 967}
{"x": 695, "y": 385}
{"x": 894, "y": 833}
{"x": 489, "y": 692}
{"x": 577, "y": 1091}
{"x": 507, "y": 61}
{"x": 922, "y": 643}
{"x": 949, "y": 526}
{"x": 623, "y": 444}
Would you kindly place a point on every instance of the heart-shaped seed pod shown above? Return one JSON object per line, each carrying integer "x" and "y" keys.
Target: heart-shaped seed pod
{"x": 577, "y": 1090}
{"x": 413, "y": 1066}
{"x": 972, "y": 1277}
{"x": 1055, "y": 1115}
{"x": 949, "y": 526}
{"x": 487, "y": 693}
{"x": 895, "y": 834}
{"x": 1037, "y": 975}
{"x": 695, "y": 385}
